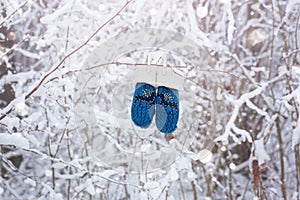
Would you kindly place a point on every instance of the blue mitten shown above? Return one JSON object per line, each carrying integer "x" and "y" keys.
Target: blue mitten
{"x": 167, "y": 109}
{"x": 142, "y": 108}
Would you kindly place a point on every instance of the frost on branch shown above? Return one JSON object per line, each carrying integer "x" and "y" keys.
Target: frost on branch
{"x": 15, "y": 139}
{"x": 239, "y": 100}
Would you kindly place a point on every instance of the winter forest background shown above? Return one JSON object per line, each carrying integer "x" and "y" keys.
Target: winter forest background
{"x": 239, "y": 130}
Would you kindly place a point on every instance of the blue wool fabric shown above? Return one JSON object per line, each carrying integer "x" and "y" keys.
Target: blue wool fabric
{"x": 165, "y": 103}
{"x": 142, "y": 108}
{"x": 167, "y": 109}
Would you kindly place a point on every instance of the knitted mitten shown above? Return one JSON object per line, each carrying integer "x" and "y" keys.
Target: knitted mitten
{"x": 167, "y": 109}
{"x": 142, "y": 108}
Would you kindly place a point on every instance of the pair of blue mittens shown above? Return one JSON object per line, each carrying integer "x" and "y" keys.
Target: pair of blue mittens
{"x": 164, "y": 103}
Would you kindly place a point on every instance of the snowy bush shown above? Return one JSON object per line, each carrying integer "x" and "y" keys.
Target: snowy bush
{"x": 67, "y": 76}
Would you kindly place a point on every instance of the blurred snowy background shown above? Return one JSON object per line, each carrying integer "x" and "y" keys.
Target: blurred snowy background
{"x": 239, "y": 134}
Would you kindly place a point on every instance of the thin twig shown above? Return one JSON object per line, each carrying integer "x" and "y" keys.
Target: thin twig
{"x": 296, "y": 36}
{"x": 208, "y": 182}
{"x": 160, "y": 65}
{"x": 14, "y": 47}
{"x": 193, "y": 184}
{"x": 181, "y": 188}
{"x": 75, "y": 50}
{"x": 62, "y": 136}
{"x": 31, "y": 92}
{"x": 282, "y": 169}
{"x": 70, "y": 170}
{"x": 52, "y": 162}
{"x": 14, "y": 12}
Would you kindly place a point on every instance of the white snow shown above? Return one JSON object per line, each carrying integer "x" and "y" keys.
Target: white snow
{"x": 15, "y": 139}
{"x": 153, "y": 188}
{"x": 237, "y": 104}
{"x": 89, "y": 187}
{"x": 59, "y": 165}
{"x": 30, "y": 182}
{"x": 296, "y": 69}
{"x": 225, "y": 1}
{"x": 296, "y": 135}
{"x": 202, "y": 11}
{"x": 237, "y": 81}
{"x": 173, "y": 174}
{"x": 145, "y": 147}
{"x": 231, "y": 27}
{"x": 205, "y": 156}
{"x": 22, "y": 109}
{"x": 219, "y": 127}
{"x": 150, "y": 185}
{"x": 256, "y": 36}
{"x": 232, "y": 166}
{"x": 260, "y": 152}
